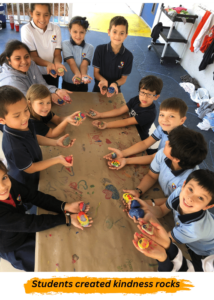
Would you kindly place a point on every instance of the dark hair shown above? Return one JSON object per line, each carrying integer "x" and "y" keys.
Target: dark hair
{"x": 80, "y": 21}
{"x": 204, "y": 178}
{"x": 3, "y": 167}
{"x": 118, "y": 20}
{"x": 32, "y": 6}
{"x": 9, "y": 95}
{"x": 151, "y": 83}
{"x": 10, "y": 47}
{"x": 175, "y": 104}
{"x": 188, "y": 146}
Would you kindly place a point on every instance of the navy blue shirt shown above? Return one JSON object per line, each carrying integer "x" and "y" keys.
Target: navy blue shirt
{"x": 145, "y": 116}
{"x": 41, "y": 127}
{"x": 112, "y": 66}
{"x": 21, "y": 150}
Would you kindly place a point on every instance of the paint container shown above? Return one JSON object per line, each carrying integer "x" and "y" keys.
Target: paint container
{"x": 17, "y": 26}
{"x": 11, "y": 22}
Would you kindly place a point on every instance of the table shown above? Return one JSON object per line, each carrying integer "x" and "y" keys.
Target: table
{"x": 107, "y": 245}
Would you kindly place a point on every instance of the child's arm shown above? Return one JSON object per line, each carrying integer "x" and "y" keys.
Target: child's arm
{"x": 43, "y": 63}
{"x": 72, "y": 64}
{"x": 109, "y": 114}
{"x": 102, "y": 81}
{"x": 58, "y": 62}
{"x": 84, "y": 70}
{"x": 142, "y": 160}
{"x": 115, "y": 124}
{"x": 139, "y": 147}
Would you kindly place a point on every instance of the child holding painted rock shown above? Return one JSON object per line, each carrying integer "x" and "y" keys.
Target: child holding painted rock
{"x": 39, "y": 103}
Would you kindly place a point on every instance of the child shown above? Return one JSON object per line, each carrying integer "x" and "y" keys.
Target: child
{"x": 20, "y": 143}
{"x": 193, "y": 222}
{"x": 39, "y": 103}
{"x": 172, "y": 114}
{"x": 44, "y": 41}
{"x": 112, "y": 62}
{"x": 141, "y": 108}
{"x": 77, "y": 56}
{"x": 184, "y": 150}
{"x": 17, "y": 229}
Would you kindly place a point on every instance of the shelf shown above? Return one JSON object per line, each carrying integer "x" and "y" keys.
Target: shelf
{"x": 177, "y": 18}
{"x": 169, "y": 54}
{"x": 174, "y": 37}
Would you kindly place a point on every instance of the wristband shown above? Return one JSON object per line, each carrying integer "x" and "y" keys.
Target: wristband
{"x": 116, "y": 83}
{"x": 63, "y": 206}
{"x": 153, "y": 202}
{"x": 140, "y": 191}
{"x": 68, "y": 219}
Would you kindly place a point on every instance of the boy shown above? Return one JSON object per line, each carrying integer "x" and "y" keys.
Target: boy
{"x": 20, "y": 143}
{"x": 141, "y": 108}
{"x": 184, "y": 150}
{"x": 17, "y": 229}
{"x": 193, "y": 222}
{"x": 112, "y": 62}
{"x": 172, "y": 114}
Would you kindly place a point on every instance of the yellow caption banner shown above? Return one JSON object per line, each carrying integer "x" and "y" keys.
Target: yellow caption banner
{"x": 90, "y": 285}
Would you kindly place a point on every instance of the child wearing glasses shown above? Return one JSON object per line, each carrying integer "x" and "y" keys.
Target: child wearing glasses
{"x": 141, "y": 108}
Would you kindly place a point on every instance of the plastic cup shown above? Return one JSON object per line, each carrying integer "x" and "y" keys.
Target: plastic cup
{"x": 12, "y": 26}
{"x": 11, "y": 19}
{"x": 17, "y": 27}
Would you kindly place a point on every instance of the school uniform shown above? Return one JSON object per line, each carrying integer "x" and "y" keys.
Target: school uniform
{"x": 112, "y": 66}
{"x": 81, "y": 52}
{"x": 168, "y": 179}
{"x": 44, "y": 42}
{"x": 160, "y": 135}
{"x": 41, "y": 126}
{"x": 145, "y": 116}
{"x": 17, "y": 229}
{"x": 21, "y": 150}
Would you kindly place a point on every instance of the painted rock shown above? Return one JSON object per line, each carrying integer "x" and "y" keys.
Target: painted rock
{"x": 111, "y": 90}
{"x": 66, "y": 141}
{"x": 53, "y": 72}
{"x": 69, "y": 159}
{"x": 60, "y": 70}
{"x": 127, "y": 197}
{"x": 100, "y": 124}
{"x": 104, "y": 88}
{"x": 136, "y": 212}
{"x": 77, "y": 79}
{"x": 115, "y": 163}
{"x": 82, "y": 206}
{"x": 79, "y": 116}
{"x": 92, "y": 113}
{"x": 113, "y": 155}
{"x": 143, "y": 243}
{"x": 135, "y": 204}
{"x": 85, "y": 78}
{"x": 147, "y": 227}
{"x": 83, "y": 219}
{"x": 60, "y": 101}
{"x": 67, "y": 98}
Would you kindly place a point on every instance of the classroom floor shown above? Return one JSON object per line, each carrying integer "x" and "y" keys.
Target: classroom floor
{"x": 145, "y": 62}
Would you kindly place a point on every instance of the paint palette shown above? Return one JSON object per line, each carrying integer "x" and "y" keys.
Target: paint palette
{"x": 66, "y": 141}
{"x": 82, "y": 206}
{"x": 111, "y": 90}
{"x": 127, "y": 197}
{"x": 92, "y": 113}
{"x": 53, "y": 72}
{"x": 147, "y": 227}
{"x": 136, "y": 212}
{"x": 69, "y": 159}
{"x": 79, "y": 117}
{"x": 83, "y": 219}
{"x": 60, "y": 101}
{"x": 143, "y": 243}
{"x": 60, "y": 70}
{"x": 113, "y": 155}
{"x": 115, "y": 163}
{"x": 104, "y": 88}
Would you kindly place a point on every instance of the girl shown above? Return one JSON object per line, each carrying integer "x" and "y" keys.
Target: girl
{"x": 39, "y": 103}
{"x": 44, "y": 41}
{"x": 19, "y": 71}
{"x": 17, "y": 229}
{"x": 77, "y": 56}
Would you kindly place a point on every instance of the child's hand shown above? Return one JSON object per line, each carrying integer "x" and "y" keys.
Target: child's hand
{"x": 122, "y": 164}
{"x": 59, "y": 142}
{"x": 101, "y": 84}
{"x": 134, "y": 193}
{"x": 86, "y": 79}
{"x": 99, "y": 124}
{"x": 60, "y": 66}
{"x": 75, "y": 222}
{"x": 54, "y": 98}
{"x": 77, "y": 79}
{"x": 118, "y": 152}
{"x": 114, "y": 85}
{"x": 98, "y": 115}
{"x": 74, "y": 207}
{"x": 154, "y": 250}
{"x": 70, "y": 119}
{"x": 160, "y": 235}
{"x": 61, "y": 160}
{"x": 50, "y": 67}
{"x": 63, "y": 94}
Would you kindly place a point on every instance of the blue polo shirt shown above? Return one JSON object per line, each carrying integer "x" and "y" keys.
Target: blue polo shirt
{"x": 168, "y": 179}
{"x": 21, "y": 150}
{"x": 41, "y": 126}
{"x": 195, "y": 230}
{"x": 112, "y": 66}
{"x": 160, "y": 135}
{"x": 145, "y": 116}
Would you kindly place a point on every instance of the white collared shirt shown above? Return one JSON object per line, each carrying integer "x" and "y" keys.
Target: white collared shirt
{"x": 44, "y": 42}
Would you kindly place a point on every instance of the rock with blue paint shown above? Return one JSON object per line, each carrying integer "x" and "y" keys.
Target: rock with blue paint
{"x": 53, "y": 72}
{"x": 113, "y": 155}
{"x": 135, "y": 204}
{"x": 92, "y": 113}
{"x": 60, "y": 101}
{"x": 136, "y": 212}
{"x": 83, "y": 219}
{"x": 115, "y": 163}
{"x": 82, "y": 206}
{"x": 111, "y": 90}
{"x": 79, "y": 117}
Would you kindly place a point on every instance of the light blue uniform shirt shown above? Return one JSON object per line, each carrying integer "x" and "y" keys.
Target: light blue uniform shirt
{"x": 195, "y": 230}
{"x": 168, "y": 179}
{"x": 161, "y": 135}
{"x": 78, "y": 53}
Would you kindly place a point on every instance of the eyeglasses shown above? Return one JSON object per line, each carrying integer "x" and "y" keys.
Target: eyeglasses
{"x": 146, "y": 94}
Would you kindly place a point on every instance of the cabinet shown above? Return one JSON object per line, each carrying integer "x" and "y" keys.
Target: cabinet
{"x": 170, "y": 34}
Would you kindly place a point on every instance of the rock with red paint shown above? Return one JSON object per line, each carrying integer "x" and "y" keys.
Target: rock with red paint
{"x": 82, "y": 206}
{"x": 69, "y": 159}
{"x": 108, "y": 141}
{"x": 147, "y": 227}
{"x": 127, "y": 197}
{"x": 115, "y": 163}
{"x": 143, "y": 243}
{"x": 67, "y": 99}
{"x": 79, "y": 117}
{"x": 83, "y": 219}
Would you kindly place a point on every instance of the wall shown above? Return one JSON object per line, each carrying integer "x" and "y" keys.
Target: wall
{"x": 135, "y": 6}
{"x": 191, "y": 61}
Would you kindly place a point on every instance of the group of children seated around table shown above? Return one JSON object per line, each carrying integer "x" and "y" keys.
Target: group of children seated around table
{"x": 29, "y": 75}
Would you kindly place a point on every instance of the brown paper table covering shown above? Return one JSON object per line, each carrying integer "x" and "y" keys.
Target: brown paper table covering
{"x": 107, "y": 245}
